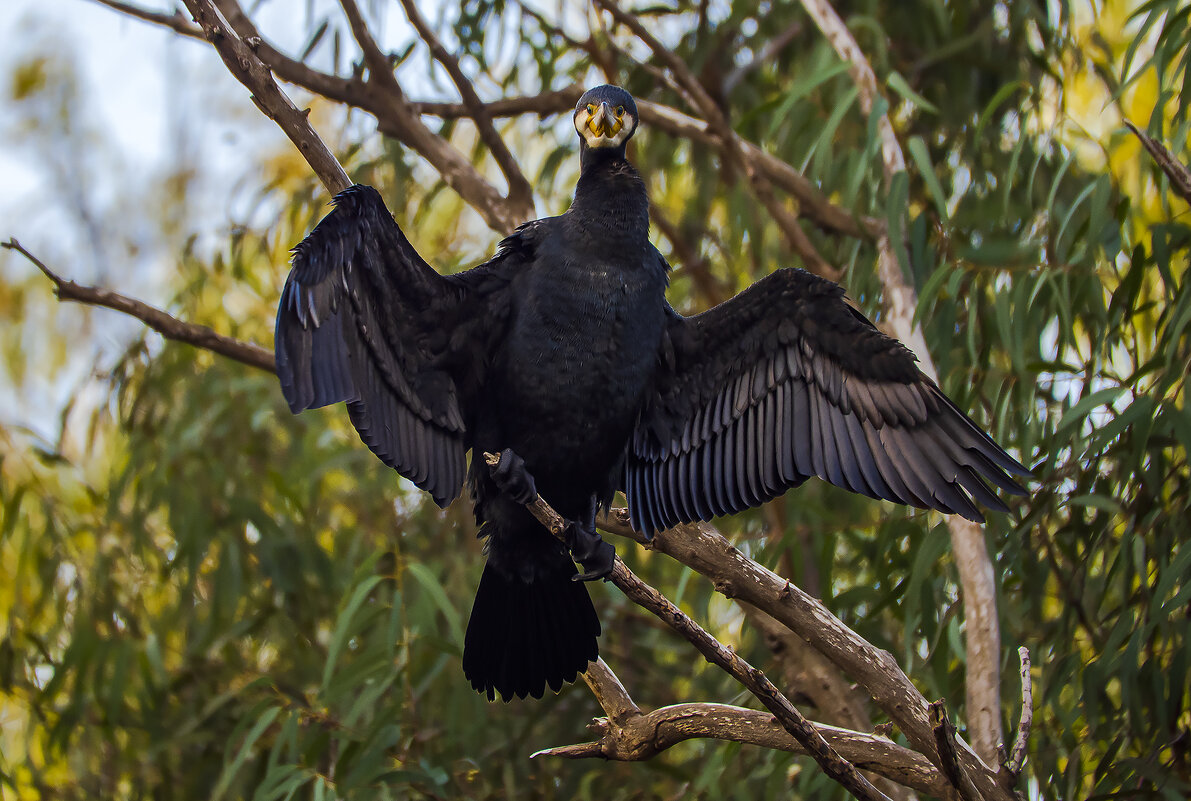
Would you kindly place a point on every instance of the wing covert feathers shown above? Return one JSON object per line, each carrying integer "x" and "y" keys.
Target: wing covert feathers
{"x": 784, "y": 382}
{"x": 357, "y": 324}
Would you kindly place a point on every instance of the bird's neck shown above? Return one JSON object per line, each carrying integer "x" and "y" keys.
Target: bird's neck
{"x": 610, "y": 194}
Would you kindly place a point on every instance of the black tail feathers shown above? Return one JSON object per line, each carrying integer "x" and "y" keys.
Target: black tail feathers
{"x": 525, "y": 635}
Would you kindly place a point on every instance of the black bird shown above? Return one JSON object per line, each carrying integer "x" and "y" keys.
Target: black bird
{"x": 562, "y": 354}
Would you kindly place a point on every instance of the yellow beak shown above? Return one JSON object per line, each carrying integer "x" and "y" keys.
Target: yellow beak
{"x": 603, "y": 123}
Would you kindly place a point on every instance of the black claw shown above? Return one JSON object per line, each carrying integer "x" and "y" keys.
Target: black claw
{"x": 513, "y": 479}
{"x": 589, "y": 550}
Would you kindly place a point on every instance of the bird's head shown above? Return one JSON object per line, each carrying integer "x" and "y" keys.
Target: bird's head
{"x": 606, "y": 117}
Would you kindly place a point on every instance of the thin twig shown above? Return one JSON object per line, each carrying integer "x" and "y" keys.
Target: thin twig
{"x": 168, "y": 326}
{"x": 1176, "y": 171}
{"x": 1017, "y": 757}
{"x": 176, "y": 21}
{"x": 520, "y": 193}
{"x": 720, "y": 655}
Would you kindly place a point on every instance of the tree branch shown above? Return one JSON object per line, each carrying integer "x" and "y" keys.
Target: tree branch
{"x": 397, "y": 119}
{"x": 1176, "y": 171}
{"x": 520, "y": 194}
{"x": 363, "y": 95}
{"x": 169, "y": 327}
{"x": 249, "y": 70}
{"x": 948, "y": 753}
{"x": 640, "y": 736}
{"x": 723, "y": 657}
{"x": 702, "y": 548}
{"x": 1017, "y": 757}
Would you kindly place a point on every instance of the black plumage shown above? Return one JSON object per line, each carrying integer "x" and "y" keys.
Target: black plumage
{"x": 562, "y": 351}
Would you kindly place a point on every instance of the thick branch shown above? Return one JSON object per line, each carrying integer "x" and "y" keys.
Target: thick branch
{"x": 611, "y": 695}
{"x": 169, "y": 327}
{"x": 706, "y": 551}
{"x": 243, "y": 63}
{"x": 723, "y": 657}
{"x": 642, "y": 736}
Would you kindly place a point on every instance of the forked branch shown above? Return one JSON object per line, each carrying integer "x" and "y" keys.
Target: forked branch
{"x": 723, "y": 657}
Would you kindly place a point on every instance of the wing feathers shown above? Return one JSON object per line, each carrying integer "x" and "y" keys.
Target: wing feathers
{"x": 355, "y": 317}
{"x": 786, "y": 381}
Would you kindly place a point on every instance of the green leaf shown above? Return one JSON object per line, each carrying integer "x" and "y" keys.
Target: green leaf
{"x": 921, "y": 158}
{"x": 232, "y": 768}
{"x": 343, "y": 629}
{"x": 434, "y": 589}
{"x": 898, "y": 84}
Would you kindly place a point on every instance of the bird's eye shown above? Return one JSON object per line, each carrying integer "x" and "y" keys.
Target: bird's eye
{"x": 620, "y": 111}
{"x": 590, "y": 108}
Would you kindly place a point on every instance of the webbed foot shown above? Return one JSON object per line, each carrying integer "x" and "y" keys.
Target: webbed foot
{"x": 589, "y": 550}
{"x": 513, "y": 479}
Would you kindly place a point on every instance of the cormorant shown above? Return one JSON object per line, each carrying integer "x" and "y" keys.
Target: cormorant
{"x": 562, "y": 354}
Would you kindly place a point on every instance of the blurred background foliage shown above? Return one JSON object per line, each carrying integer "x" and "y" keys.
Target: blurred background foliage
{"x": 205, "y": 597}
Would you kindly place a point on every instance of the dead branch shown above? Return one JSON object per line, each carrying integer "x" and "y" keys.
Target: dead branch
{"x": 702, "y": 548}
{"x": 168, "y": 326}
{"x": 640, "y": 736}
{"x": 723, "y": 657}
{"x": 1017, "y": 757}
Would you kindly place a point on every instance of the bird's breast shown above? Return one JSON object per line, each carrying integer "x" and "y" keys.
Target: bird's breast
{"x": 582, "y": 349}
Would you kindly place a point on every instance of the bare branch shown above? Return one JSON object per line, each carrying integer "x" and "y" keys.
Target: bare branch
{"x": 176, "y": 21}
{"x": 1176, "y": 171}
{"x": 1017, "y": 757}
{"x": 248, "y": 69}
{"x": 168, "y": 326}
{"x": 520, "y": 193}
{"x": 611, "y": 695}
{"x": 393, "y": 122}
{"x": 948, "y": 752}
{"x": 723, "y": 657}
{"x": 644, "y": 736}
{"x": 702, "y": 548}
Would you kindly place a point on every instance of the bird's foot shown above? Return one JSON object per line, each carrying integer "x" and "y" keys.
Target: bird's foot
{"x": 513, "y": 479}
{"x": 589, "y": 550}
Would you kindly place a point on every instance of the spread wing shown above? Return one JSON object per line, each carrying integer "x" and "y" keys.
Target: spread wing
{"x": 786, "y": 381}
{"x": 363, "y": 319}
